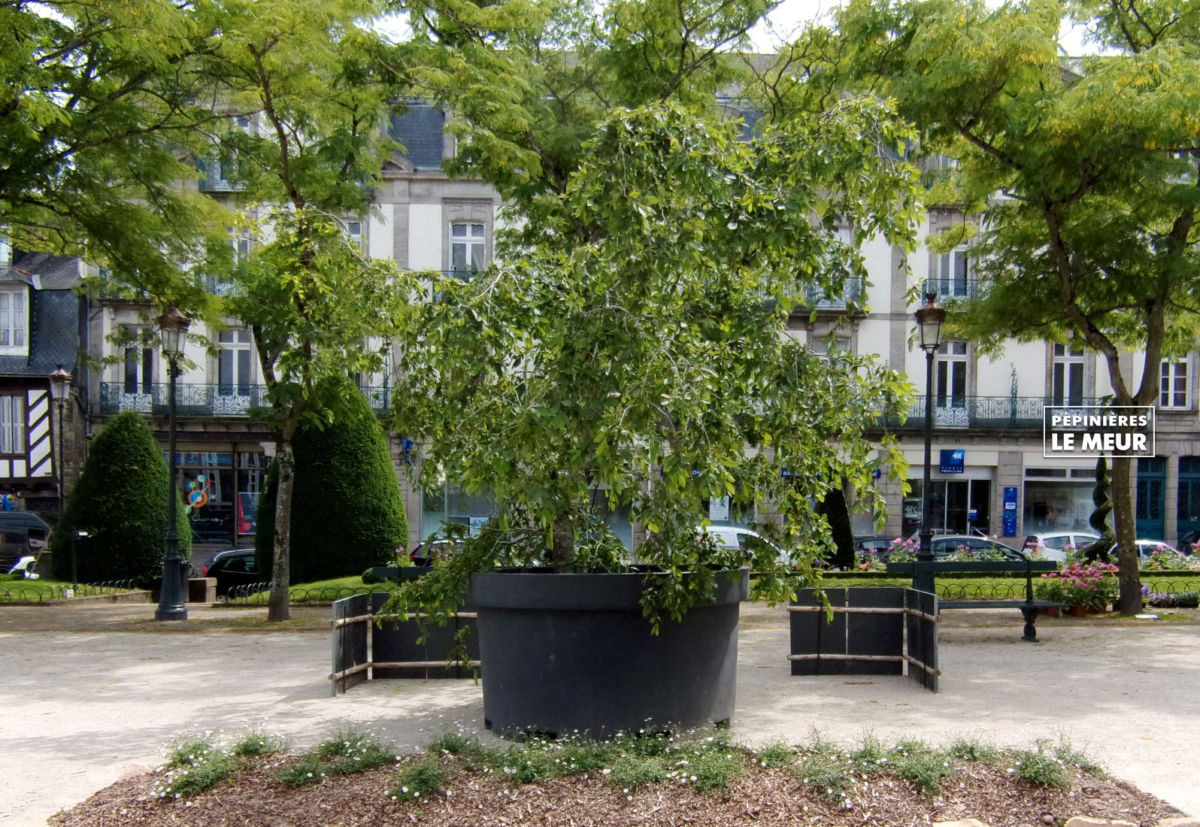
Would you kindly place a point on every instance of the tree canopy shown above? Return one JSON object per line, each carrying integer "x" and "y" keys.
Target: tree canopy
{"x": 1085, "y": 173}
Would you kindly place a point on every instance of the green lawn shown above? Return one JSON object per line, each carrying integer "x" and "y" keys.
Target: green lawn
{"x": 42, "y": 591}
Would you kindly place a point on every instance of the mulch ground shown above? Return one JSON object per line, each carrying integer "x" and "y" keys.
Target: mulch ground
{"x": 767, "y": 797}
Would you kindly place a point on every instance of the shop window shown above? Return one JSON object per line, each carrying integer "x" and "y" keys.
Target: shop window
{"x": 12, "y": 425}
{"x": 14, "y": 320}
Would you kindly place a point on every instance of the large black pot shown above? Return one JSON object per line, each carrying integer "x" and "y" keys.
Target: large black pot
{"x": 568, "y": 654}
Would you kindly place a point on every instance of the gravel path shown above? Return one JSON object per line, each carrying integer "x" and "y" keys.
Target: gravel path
{"x": 92, "y": 693}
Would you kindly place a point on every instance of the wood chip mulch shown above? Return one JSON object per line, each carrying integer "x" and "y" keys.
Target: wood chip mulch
{"x": 758, "y": 797}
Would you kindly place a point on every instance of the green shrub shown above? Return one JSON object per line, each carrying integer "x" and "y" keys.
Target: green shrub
{"x": 341, "y": 755}
{"x": 257, "y": 743}
{"x": 925, "y": 767}
{"x": 775, "y": 756}
{"x": 347, "y": 513}
{"x": 1041, "y": 769}
{"x": 193, "y": 766}
{"x": 825, "y": 773}
{"x": 419, "y": 780}
{"x": 121, "y": 502}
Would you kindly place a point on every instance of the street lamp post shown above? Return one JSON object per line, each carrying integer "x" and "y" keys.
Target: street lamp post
{"x": 173, "y": 325}
{"x": 60, "y": 386}
{"x": 929, "y": 321}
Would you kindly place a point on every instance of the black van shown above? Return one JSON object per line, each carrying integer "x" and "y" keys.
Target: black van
{"x": 22, "y": 534}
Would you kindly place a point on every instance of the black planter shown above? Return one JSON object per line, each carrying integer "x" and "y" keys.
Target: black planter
{"x": 571, "y": 654}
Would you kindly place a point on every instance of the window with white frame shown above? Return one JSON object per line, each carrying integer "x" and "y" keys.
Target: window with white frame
{"x": 354, "y": 231}
{"x": 1067, "y": 375}
{"x": 468, "y": 247}
{"x": 12, "y": 425}
{"x": 233, "y": 362}
{"x": 1173, "y": 384}
{"x": 951, "y": 378}
{"x": 139, "y": 363}
{"x": 951, "y": 278}
{"x": 14, "y": 320}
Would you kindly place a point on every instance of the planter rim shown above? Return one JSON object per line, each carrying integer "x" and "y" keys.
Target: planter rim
{"x": 540, "y": 589}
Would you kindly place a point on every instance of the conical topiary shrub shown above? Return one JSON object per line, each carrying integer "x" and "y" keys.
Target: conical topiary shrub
{"x": 121, "y": 502}
{"x": 347, "y": 513}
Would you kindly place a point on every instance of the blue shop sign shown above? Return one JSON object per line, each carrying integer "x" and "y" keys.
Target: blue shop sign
{"x": 952, "y": 460}
{"x": 1010, "y": 511}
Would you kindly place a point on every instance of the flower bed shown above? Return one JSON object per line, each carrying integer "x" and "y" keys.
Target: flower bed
{"x": 1092, "y": 586}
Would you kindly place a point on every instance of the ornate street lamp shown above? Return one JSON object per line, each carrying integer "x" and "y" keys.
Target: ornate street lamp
{"x": 929, "y": 321}
{"x": 173, "y": 325}
{"x": 60, "y": 387}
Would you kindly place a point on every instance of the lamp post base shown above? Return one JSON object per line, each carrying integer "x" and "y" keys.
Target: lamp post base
{"x": 171, "y": 613}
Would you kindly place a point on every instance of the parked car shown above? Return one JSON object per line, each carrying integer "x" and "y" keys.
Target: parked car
{"x": 944, "y": 545}
{"x": 26, "y": 567}
{"x": 22, "y": 534}
{"x": 1188, "y": 540}
{"x": 234, "y": 568}
{"x": 430, "y": 549}
{"x": 744, "y": 539}
{"x": 874, "y": 546}
{"x": 1053, "y": 545}
{"x": 1145, "y": 548}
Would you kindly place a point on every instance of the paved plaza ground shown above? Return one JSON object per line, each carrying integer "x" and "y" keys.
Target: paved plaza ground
{"x": 91, "y": 693}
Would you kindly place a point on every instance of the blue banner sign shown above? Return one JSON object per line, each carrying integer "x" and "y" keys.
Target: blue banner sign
{"x": 1010, "y": 511}
{"x": 952, "y": 460}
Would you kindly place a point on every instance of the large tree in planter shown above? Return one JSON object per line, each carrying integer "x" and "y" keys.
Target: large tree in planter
{"x": 347, "y": 514}
{"x": 640, "y": 346}
{"x": 121, "y": 502}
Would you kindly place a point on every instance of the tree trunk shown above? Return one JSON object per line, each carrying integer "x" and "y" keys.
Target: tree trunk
{"x": 562, "y": 551}
{"x": 277, "y": 608}
{"x": 1130, "y": 601}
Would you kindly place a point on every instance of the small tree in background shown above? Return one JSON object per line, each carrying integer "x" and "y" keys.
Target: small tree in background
{"x": 837, "y": 514}
{"x": 347, "y": 514}
{"x": 1100, "y": 549}
{"x": 121, "y": 502}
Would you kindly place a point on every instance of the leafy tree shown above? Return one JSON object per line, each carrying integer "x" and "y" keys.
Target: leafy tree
{"x": 347, "y": 514}
{"x": 1085, "y": 173}
{"x": 640, "y": 347}
{"x": 309, "y": 75}
{"x": 121, "y": 501}
{"x": 99, "y": 99}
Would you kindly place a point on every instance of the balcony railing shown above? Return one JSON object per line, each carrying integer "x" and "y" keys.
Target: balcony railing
{"x": 852, "y": 291}
{"x": 204, "y": 400}
{"x": 1025, "y": 412}
{"x": 951, "y": 288}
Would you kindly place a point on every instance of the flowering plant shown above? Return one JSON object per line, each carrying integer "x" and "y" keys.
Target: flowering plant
{"x": 964, "y": 554}
{"x": 1165, "y": 558}
{"x": 901, "y": 550}
{"x": 1093, "y": 585}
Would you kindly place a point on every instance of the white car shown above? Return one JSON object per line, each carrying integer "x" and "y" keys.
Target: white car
{"x": 743, "y": 539}
{"x": 1054, "y": 545}
{"x": 26, "y": 566}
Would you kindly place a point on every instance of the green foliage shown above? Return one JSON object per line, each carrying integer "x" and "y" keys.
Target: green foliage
{"x": 918, "y": 763}
{"x": 121, "y": 502}
{"x": 973, "y": 751}
{"x": 193, "y": 766}
{"x": 826, "y": 774}
{"x": 593, "y": 362}
{"x": 775, "y": 756}
{"x": 99, "y": 111}
{"x": 347, "y": 513}
{"x": 419, "y": 780}
{"x": 1041, "y": 768}
{"x": 257, "y": 743}
{"x": 344, "y": 754}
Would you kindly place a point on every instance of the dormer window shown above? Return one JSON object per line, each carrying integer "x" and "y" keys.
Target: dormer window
{"x": 14, "y": 320}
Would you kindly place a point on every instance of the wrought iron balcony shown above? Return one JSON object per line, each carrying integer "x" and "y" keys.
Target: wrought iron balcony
{"x": 193, "y": 400}
{"x": 853, "y": 290}
{"x": 1004, "y": 412}
{"x": 951, "y": 288}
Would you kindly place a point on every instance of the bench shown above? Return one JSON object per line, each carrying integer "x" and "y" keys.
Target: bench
{"x": 1028, "y": 607}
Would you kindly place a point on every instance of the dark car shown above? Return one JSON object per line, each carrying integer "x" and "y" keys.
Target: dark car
{"x": 235, "y": 573}
{"x": 946, "y": 544}
{"x": 876, "y": 547}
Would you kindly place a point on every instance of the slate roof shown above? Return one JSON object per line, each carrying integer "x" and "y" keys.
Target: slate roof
{"x": 419, "y": 129}
{"x": 54, "y": 320}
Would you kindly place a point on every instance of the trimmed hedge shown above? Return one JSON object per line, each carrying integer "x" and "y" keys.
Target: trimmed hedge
{"x": 347, "y": 513}
{"x": 121, "y": 501}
